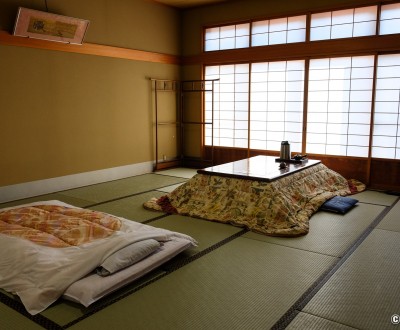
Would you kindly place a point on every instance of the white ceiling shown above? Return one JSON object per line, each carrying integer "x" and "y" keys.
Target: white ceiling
{"x": 188, "y": 3}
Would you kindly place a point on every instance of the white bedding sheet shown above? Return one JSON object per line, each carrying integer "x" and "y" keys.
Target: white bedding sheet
{"x": 93, "y": 287}
{"x": 39, "y": 275}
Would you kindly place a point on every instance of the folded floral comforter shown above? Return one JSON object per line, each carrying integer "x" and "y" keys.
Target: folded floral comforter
{"x": 47, "y": 246}
{"x": 56, "y": 225}
{"x": 278, "y": 208}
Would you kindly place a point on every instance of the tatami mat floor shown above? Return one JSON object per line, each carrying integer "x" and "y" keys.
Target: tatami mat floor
{"x": 342, "y": 275}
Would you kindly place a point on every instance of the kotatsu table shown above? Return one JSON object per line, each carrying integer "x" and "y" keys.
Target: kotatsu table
{"x": 260, "y": 168}
{"x": 257, "y": 194}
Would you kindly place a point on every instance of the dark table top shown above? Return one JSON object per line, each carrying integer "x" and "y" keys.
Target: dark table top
{"x": 260, "y": 168}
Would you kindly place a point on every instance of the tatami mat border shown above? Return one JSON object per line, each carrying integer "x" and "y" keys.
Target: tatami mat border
{"x": 120, "y": 198}
{"x": 155, "y": 219}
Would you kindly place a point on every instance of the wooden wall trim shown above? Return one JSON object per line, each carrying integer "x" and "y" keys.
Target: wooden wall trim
{"x": 89, "y": 49}
{"x": 312, "y": 49}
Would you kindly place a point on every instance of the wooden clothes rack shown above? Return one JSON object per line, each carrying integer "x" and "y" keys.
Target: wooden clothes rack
{"x": 181, "y": 122}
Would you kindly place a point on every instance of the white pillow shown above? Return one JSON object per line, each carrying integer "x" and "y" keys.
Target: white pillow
{"x": 127, "y": 256}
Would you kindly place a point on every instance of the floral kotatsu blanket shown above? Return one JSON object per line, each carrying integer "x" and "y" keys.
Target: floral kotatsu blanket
{"x": 279, "y": 208}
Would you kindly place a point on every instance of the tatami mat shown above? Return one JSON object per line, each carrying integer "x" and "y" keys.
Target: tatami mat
{"x": 179, "y": 172}
{"x": 364, "y": 292}
{"x": 375, "y": 197}
{"x": 244, "y": 284}
{"x": 207, "y": 233}
{"x": 169, "y": 189}
{"x": 102, "y": 192}
{"x": 11, "y": 319}
{"x": 236, "y": 279}
{"x": 121, "y": 188}
{"x": 392, "y": 219}
{"x": 305, "y": 321}
{"x": 64, "y": 312}
{"x": 56, "y": 196}
{"x": 330, "y": 233}
{"x": 131, "y": 207}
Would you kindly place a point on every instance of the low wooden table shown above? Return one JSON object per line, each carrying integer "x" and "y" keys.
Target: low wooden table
{"x": 261, "y": 168}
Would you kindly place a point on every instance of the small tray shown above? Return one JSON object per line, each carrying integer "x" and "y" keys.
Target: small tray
{"x": 292, "y": 160}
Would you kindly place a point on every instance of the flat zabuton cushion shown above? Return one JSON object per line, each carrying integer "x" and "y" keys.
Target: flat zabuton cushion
{"x": 339, "y": 204}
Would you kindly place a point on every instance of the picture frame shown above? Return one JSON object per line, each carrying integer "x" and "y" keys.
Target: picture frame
{"x": 52, "y": 27}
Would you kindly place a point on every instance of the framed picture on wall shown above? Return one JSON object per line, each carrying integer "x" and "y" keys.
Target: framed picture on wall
{"x": 43, "y": 25}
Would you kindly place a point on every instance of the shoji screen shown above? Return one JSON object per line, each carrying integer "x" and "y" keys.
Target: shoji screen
{"x": 230, "y": 105}
{"x": 348, "y": 23}
{"x": 278, "y": 31}
{"x": 276, "y": 110}
{"x": 339, "y": 106}
{"x": 386, "y": 134}
{"x": 390, "y": 19}
{"x": 227, "y": 37}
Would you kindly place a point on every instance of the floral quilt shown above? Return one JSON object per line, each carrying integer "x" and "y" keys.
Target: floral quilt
{"x": 57, "y": 226}
{"x": 279, "y": 208}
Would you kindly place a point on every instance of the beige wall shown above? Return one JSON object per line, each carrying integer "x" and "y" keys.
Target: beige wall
{"x": 64, "y": 113}
{"x": 135, "y": 24}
